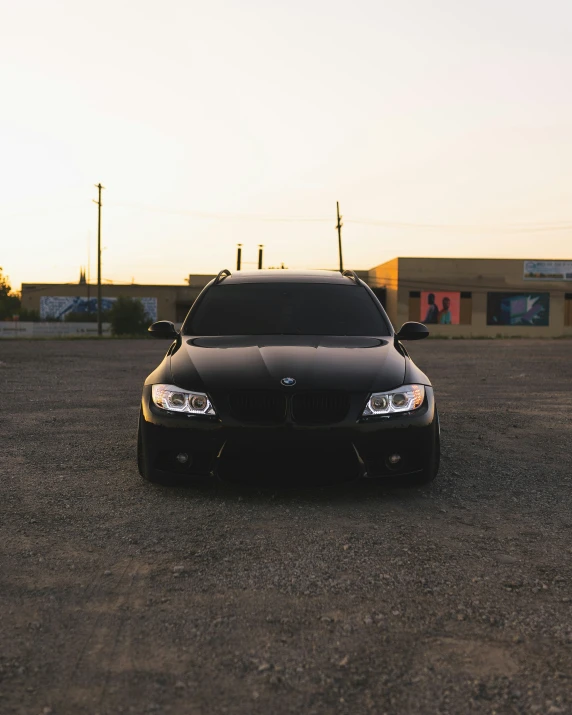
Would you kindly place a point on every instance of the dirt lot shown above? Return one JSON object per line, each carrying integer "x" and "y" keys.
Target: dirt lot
{"x": 118, "y": 596}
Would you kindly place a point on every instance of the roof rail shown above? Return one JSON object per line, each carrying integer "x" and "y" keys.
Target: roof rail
{"x": 222, "y": 275}
{"x": 352, "y": 275}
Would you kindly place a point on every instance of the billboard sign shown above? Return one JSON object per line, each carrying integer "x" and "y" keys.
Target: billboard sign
{"x": 548, "y": 270}
{"x": 518, "y": 309}
{"x": 58, "y": 306}
{"x": 440, "y": 307}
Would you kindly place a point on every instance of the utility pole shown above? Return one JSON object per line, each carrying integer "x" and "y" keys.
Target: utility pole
{"x": 339, "y": 227}
{"x": 98, "y": 202}
{"x": 88, "y": 271}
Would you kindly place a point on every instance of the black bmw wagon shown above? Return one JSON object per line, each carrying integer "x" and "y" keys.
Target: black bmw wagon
{"x": 288, "y": 376}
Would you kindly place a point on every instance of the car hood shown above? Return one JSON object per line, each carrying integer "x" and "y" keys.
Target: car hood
{"x": 354, "y": 364}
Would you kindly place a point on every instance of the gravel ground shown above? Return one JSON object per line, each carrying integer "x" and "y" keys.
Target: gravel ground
{"x": 118, "y": 596}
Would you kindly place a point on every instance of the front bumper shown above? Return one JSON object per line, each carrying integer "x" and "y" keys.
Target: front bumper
{"x": 227, "y": 449}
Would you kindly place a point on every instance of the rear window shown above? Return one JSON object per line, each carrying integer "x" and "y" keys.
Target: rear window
{"x": 286, "y": 309}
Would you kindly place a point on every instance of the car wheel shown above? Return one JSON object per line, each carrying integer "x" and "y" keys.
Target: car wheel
{"x": 432, "y": 467}
{"x": 167, "y": 481}
{"x": 430, "y": 471}
{"x": 141, "y": 458}
{"x": 140, "y": 462}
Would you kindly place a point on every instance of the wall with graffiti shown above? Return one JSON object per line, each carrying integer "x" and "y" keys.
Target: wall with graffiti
{"x": 58, "y": 306}
{"x": 518, "y": 309}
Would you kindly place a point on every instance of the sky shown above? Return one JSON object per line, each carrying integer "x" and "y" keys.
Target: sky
{"x": 442, "y": 128}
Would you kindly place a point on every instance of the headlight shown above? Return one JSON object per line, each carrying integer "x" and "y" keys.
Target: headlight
{"x": 403, "y": 399}
{"x": 175, "y": 399}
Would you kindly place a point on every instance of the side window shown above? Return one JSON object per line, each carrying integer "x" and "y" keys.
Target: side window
{"x": 466, "y": 317}
{"x": 568, "y": 309}
{"x": 381, "y": 295}
{"x": 461, "y": 305}
{"x": 414, "y": 305}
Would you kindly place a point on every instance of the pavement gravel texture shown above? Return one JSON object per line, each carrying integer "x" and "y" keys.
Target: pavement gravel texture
{"x": 119, "y": 596}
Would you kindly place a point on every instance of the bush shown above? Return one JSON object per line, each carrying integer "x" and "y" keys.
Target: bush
{"x": 9, "y": 301}
{"x": 127, "y": 317}
{"x": 32, "y": 316}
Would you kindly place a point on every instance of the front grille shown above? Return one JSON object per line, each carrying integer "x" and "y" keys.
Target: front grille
{"x": 258, "y": 406}
{"x": 320, "y": 407}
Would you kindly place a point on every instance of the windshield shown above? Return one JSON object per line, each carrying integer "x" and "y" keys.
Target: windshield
{"x": 286, "y": 309}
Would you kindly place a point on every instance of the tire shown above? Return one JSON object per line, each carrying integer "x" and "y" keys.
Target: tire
{"x": 430, "y": 472}
{"x": 140, "y": 460}
{"x": 432, "y": 468}
{"x": 165, "y": 481}
{"x": 141, "y": 467}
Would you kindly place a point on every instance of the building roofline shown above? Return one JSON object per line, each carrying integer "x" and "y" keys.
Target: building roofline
{"x": 112, "y": 285}
{"x": 469, "y": 258}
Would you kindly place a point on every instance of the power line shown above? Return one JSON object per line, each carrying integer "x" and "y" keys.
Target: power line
{"x": 517, "y": 227}
{"x": 41, "y": 211}
{"x": 460, "y": 285}
{"x": 511, "y": 228}
{"x": 220, "y": 215}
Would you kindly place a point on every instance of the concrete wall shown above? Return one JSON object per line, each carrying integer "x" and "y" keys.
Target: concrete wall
{"x": 25, "y": 329}
{"x": 476, "y": 276}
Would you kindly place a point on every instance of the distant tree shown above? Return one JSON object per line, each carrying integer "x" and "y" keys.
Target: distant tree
{"x": 32, "y": 316}
{"x": 127, "y": 317}
{"x": 9, "y": 301}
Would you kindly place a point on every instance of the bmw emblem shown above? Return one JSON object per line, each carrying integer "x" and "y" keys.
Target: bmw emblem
{"x": 288, "y": 381}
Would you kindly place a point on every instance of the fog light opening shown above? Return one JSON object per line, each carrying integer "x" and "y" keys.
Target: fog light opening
{"x": 394, "y": 459}
{"x": 182, "y": 458}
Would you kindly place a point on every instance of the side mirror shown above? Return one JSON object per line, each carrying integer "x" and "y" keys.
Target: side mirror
{"x": 163, "y": 329}
{"x": 412, "y": 331}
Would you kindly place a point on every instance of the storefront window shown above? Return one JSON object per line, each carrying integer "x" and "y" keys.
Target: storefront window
{"x": 440, "y": 307}
{"x": 518, "y": 309}
{"x": 568, "y": 309}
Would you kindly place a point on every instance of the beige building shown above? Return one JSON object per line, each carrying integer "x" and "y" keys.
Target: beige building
{"x": 173, "y": 301}
{"x": 487, "y": 296}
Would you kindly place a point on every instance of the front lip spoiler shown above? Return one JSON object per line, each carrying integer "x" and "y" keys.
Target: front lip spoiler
{"x": 360, "y": 474}
{"x": 361, "y": 471}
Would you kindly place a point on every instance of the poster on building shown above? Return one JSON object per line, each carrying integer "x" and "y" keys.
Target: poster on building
{"x": 440, "y": 307}
{"x": 56, "y": 307}
{"x": 518, "y": 308}
{"x": 548, "y": 270}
